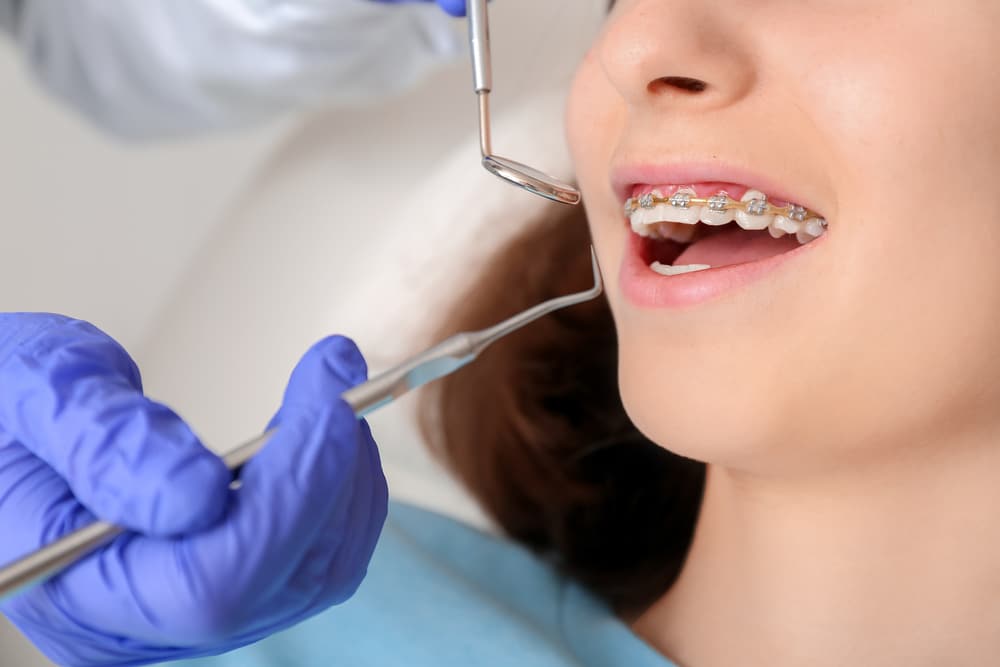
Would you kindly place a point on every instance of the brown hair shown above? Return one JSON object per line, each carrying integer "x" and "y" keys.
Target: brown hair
{"x": 537, "y": 432}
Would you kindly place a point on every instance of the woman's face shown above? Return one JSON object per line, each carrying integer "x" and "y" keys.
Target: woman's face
{"x": 883, "y": 118}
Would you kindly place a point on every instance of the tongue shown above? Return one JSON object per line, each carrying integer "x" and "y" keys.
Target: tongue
{"x": 735, "y": 246}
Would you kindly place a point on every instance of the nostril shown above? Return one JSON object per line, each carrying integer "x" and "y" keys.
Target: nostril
{"x": 684, "y": 83}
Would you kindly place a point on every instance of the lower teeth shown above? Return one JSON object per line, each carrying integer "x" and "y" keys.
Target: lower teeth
{"x": 667, "y": 270}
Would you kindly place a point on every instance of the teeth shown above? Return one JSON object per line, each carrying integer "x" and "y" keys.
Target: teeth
{"x": 667, "y": 270}
{"x": 754, "y": 217}
{"x": 655, "y": 213}
{"x": 682, "y": 198}
{"x": 785, "y": 225}
{"x": 717, "y": 218}
{"x": 717, "y": 211}
{"x": 679, "y": 210}
{"x": 644, "y": 219}
{"x": 796, "y": 212}
{"x": 816, "y": 227}
{"x": 811, "y": 230}
{"x": 677, "y": 216}
{"x": 637, "y": 226}
{"x": 678, "y": 231}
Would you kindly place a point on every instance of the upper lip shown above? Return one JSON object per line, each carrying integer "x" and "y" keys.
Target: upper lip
{"x": 626, "y": 177}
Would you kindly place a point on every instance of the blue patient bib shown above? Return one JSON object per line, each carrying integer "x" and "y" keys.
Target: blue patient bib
{"x": 442, "y": 594}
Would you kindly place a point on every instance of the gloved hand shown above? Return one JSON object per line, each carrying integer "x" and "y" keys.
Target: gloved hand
{"x": 453, "y": 7}
{"x": 213, "y": 568}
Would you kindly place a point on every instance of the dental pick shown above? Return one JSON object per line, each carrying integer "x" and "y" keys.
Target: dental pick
{"x": 441, "y": 360}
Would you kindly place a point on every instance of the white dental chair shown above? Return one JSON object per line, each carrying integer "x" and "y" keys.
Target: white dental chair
{"x": 365, "y": 223}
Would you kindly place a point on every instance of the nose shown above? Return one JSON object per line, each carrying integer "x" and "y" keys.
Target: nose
{"x": 679, "y": 54}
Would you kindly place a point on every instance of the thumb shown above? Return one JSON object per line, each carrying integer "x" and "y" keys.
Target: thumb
{"x": 453, "y": 7}
{"x": 329, "y": 368}
{"x": 72, "y": 397}
{"x": 308, "y": 512}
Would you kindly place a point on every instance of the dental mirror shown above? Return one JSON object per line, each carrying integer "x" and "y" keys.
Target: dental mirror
{"x": 511, "y": 171}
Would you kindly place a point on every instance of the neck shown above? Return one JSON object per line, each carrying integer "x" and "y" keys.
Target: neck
{"x": 896, "y": 563}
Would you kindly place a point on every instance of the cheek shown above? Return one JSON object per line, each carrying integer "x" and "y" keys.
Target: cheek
{"x": 918, "y": 278}
{"x": 595, "y": 115}
{"x": 594, "y": 118}
{"x": 577, "y": 113}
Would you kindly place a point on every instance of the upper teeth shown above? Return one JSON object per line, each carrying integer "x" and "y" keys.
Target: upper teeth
{"x": 651, "y": 214}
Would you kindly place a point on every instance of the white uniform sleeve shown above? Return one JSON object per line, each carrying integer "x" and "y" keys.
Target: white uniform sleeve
{"x": 160, "y": 67}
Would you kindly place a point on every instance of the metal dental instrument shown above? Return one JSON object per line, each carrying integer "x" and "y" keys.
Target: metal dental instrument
{"x": 519, "y": 174}
{"x": 441, "y": 360}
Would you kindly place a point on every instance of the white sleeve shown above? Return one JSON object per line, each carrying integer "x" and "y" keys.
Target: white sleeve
{"x": 160, "y": 67}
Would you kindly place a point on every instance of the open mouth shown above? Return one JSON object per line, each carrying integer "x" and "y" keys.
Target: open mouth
{"x": 697, "y": 227}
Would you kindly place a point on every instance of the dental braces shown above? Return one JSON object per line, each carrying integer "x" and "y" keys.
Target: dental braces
{"x": 721, "y": 203}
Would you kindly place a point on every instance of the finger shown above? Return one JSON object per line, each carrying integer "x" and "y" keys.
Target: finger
{"x": 335, "y": 565}
{"x": 73, "y": 397}
{"x": 294, "y": 508}
{"x": 453, "y": 7}
{"x": 317, "y": 468}
{"x": 36, "y": 505}
{"x": 371, "y": 502}
{"x": 327, "y": 370}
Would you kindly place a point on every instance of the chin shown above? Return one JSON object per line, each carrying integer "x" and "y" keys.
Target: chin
{"x": 715, "y": 418}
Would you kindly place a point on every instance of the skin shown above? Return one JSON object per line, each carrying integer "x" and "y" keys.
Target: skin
{"x": 847, "y": 402}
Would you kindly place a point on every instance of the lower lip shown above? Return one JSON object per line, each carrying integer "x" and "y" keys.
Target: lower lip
{"x": 645, "y": 288}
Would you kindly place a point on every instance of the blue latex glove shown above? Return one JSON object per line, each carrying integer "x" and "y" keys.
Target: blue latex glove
{"x": 453, "y": 7}
{"x": 213, "y": 569}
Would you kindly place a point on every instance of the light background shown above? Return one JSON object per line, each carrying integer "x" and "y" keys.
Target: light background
{"x": 98, "y": 229}
{"x": 114, "y": 233}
